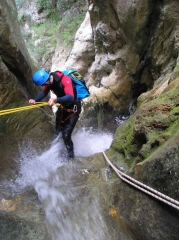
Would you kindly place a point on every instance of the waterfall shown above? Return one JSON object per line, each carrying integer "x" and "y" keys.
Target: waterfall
{"x": 69, "y": 214}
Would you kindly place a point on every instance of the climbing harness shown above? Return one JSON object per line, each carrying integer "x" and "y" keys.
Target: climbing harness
{"x": 73, "y": 111}
{"x": 36, "y": 105}
{"x": 142, "y": 187}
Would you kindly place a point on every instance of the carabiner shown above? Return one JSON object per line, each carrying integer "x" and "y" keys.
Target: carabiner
{"x": 75, "y": 108}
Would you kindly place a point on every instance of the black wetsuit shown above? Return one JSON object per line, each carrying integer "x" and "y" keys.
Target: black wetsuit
{"x": 66, "y": 118}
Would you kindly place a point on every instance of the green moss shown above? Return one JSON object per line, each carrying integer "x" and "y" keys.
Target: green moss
{"x": 176, "y": 69}
{"x": 155, "y": 120}
{"x": 175, "y": 111}
{"x": 124, "y": 136}
{"x": 169, "y": 96}
{"x": 174, "y": 126}
{"x": 114, "y": 155}
{"x": 124, "y": 142}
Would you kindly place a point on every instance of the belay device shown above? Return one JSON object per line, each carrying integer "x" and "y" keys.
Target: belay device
{"x": 79, "y": 83}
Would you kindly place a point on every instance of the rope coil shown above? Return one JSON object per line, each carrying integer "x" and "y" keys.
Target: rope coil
{"x": 142, "y": 187}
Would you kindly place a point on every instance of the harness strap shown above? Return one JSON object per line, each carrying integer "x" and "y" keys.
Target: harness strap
{"x": 74, "y": 110}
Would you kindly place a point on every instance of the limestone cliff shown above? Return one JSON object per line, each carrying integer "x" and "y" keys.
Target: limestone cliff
{"x": 125, "y": 48}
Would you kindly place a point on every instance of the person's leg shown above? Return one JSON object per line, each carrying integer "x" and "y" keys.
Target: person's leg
{"x": 67, "y": 132}
{"x": 58, "y": 124}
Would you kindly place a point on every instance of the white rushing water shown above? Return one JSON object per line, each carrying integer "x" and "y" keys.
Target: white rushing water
{"x": 67, "y": 217}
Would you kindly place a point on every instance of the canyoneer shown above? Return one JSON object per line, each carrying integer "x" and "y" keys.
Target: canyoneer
{"x": 68, "y": 113}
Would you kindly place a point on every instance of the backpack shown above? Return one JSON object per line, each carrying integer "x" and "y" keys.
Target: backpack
{"x": 79, "y": 83}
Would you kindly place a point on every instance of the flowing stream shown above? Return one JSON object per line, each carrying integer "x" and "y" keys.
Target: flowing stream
{"x": 67, "y": 218}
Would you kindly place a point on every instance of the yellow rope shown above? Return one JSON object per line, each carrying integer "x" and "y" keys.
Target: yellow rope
{"x": 13, "y": 110}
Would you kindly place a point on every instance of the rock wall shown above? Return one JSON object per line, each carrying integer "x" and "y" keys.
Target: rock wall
{"x": 148, "y": 143}
{"x": 16, "y": 88}
{"x": 132, "y": 57}
{"x": 124, "y": 49}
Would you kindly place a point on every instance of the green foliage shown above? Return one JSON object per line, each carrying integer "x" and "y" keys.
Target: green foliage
{"x": 68, "y": 28}
{"x": 46, "y": 32}
{"x": 44, "y": 4}
{"x": 44, "y": 29}
{"x": 54, "y": 17}
{"x": 65, "y": 4}
{"x": 41, "y": 39}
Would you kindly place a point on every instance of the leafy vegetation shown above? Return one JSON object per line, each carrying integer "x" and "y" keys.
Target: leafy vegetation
{"x": 41, "y": 36}
{"x": 68, "y": 28}
{"x": 44, "y": 39}
{"x": 44, "y": 4}
{"x": 62, "y": 5}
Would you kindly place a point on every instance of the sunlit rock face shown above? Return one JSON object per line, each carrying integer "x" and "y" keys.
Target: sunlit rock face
{"x": 128, "y": 47}
{"x": 16, "y": 87}
{"x": 83, "y": 50}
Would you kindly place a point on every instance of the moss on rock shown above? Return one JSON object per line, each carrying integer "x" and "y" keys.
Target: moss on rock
{"x": 150, "y": 126}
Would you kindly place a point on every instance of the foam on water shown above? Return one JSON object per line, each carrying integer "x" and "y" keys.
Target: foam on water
{"x": 34, "y": 167}
{"x": 87, "y": 142}
{"x": 64, "y": 215}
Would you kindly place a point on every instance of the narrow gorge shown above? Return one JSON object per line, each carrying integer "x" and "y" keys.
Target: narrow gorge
{"x": 127, "y": 52}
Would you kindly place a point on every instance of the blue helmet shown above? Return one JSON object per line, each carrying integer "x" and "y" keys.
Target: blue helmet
{"x": 40, "y": 77}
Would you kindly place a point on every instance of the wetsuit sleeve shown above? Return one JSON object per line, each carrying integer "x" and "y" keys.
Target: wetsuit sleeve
{"x": 68, "y": 90}
{"x": 66, "y": 99}
{"x": 42, "y": 94}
